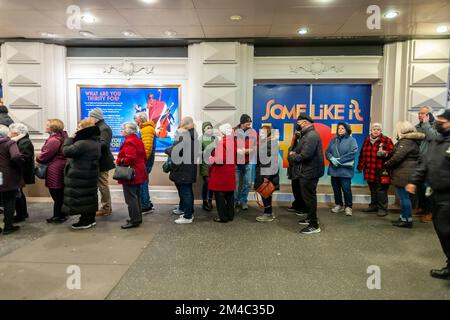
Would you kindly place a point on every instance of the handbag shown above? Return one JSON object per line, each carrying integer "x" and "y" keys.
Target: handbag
{"x": 124, "y": 173}
{"x": 385, "y": 178}
{"x": 41, "y": 171}
{"x": 265, "y": 190}
{"x": 167, "y": 166}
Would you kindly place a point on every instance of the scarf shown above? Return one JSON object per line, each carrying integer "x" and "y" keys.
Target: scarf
{"x": 373, "y": 140}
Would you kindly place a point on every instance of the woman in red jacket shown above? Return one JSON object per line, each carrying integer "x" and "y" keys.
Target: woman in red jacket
{"x": 132, "y": 154}
{"x": 222, "y": 175}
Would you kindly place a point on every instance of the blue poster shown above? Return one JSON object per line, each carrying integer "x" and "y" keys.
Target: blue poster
{"x": 120, "y": 104}
{"x": 327, "y": 104}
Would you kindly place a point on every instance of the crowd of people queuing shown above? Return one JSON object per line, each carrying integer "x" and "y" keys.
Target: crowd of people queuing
{"x": 228, "y": 160}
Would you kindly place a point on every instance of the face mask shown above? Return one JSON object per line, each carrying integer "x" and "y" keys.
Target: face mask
{"x": 298, "y": 127}
{"x": 440, "y": 128}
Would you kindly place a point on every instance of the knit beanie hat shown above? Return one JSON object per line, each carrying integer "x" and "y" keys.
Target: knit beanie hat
{"x": 96, "y": 113}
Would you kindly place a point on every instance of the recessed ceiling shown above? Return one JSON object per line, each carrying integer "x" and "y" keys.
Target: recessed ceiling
{"x": 205, "y": 19}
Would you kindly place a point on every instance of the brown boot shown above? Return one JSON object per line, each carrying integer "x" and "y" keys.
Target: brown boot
{"x": 428, "y": 217}
{"x": 103, "y": 213}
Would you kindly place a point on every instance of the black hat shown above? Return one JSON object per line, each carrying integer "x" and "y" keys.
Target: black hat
{"x": 245, "y": 118}
{"x": 445, "y": 114}
{"x": 305, "y": 117}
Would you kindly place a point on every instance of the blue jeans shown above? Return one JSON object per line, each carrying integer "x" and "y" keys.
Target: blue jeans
{"x": 244, "y": 170}
{"x": 342, "y": 185}
{"x": 186, "y": 195}
{"x": 405, "y": 204}
{"x": 146, "y": 202}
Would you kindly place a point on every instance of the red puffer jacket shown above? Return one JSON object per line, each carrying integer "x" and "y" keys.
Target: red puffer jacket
{"x": 132, "y": 153}
{"x": 222, "y": 174}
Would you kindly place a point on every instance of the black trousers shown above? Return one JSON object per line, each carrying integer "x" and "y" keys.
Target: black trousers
{"x": 425, "y": 203}
{"x": 299, "y": 203}
{"x": 9, "y": 205}
{"x": 132, "y": 194}
{"x": 225, "y": 204}
{"x": 21, "y": 205}
{"x": 308, "y": 191}
{"x": 441, "y": 221}
{"x": 207, "y": 194}
{"x": 58, "y": 199}
{"x": 378, "y": 195}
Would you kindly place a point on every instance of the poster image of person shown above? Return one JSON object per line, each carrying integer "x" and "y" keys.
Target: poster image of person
{"x": 166, "y": 121}
{"x": 155, "y": 107}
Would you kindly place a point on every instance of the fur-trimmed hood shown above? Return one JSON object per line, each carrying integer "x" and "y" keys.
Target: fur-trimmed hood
{"x": 412, "y": 136}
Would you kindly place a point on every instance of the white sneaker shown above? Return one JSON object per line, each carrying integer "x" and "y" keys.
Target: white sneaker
{"x": 177, "y": 212}
{"x": 183, "y": 220}
{"x": 348, "y": 212}
{"x": 337, "y": 209}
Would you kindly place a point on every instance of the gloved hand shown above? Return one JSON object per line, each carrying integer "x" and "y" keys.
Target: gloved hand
{"x": 334, "y": 161}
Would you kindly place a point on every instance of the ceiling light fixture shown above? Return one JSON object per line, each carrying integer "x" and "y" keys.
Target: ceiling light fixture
{"x": 302, "y": 31}
{"x": 88, "y": 18}
{"x": 236, "y": 17}
{"x": 442, "y": 29}
{"x": 170, "y": 33}
{"x": 149, "y": 1}
{"x": 391, "y": 14}
{"x": 127, "y": 33}
{"x": 86, "y": 34}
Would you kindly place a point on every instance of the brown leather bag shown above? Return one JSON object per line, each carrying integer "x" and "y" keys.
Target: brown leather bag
{"x": 265, "y": 190}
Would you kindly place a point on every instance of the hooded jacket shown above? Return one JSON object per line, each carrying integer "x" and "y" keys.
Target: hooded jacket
{"x": 53, "y": 156}
{"x": 81, "y": 172}
{"x": 344, "y": 149}
{"x": 5, "y": 119}
{"x": 148, "y": 134}
{"x": 405, "y": 158}
{"x": 184, "y": 172}
{"x": 308, "y": 163}
{"x": 208, "y": 143}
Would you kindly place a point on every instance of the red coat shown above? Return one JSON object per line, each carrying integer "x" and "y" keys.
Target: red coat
{"x": 222, "y": 173}
{"x": 369, "y": 162}
{"x": 132, "y": 153}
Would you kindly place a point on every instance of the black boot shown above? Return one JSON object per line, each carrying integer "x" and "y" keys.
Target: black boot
{"x": 210, "y": 204}
{"x": 370, "y": 209}
{"x": 206, "y": 206}
{"x": 10, "y": 229}
{"x": 403, "y": 224}
{"x": 443, "y": 273}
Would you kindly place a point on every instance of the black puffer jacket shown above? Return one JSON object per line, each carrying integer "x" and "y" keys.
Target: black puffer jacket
{"x": 81, "y": 171}
{"x": 107, "y": 159}
{"x": 5, "y": 119}
{"x": 26, "y": 148}
{"x": 308, "y": 161}
{"x": 184, "y": 171}
{"x": 265, "y": 146}
{"x": 435, "y": 167}
{"x": 405, "y": 158}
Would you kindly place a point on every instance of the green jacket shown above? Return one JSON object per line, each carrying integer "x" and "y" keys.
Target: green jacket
{"x": 207, "y": 143}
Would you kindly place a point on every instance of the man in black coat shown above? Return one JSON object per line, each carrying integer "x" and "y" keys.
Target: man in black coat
{"x": 308, "y": 166}
{"x": 19, "y": 132}
{"x": 106, "y": 161}
{"x": 435, "y": 170}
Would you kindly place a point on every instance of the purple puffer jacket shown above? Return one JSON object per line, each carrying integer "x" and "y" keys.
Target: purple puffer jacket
{"x": 52, "y": 155}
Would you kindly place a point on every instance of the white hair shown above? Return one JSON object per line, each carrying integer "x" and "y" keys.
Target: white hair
{"x": 4, "y": 130}
{"x": 18, "y": 128}
{"x": 376, "y": 124}
{"x": 130, "y": 127}
{"x": 404, "y": 127}
{"x": 427, "y": 107}
{"x": 141, "y": 116}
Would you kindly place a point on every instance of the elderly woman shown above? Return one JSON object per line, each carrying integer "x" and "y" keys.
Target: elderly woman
{"x": 83, "y": 151}
{"x": 184, "y": 172}
{"x": 403, "y": 163}
{"x": 132, "y": 154}
{"x": 53, "y": 157}
{"x": 267, "y": 168}
{"x": 11, "y": 178}
{"x": 18, "y": 132}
